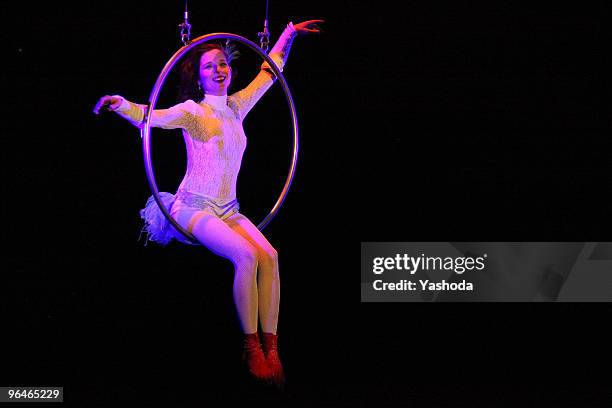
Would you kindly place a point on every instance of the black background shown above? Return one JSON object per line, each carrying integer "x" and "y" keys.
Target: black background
{"x": 431, "y": 121}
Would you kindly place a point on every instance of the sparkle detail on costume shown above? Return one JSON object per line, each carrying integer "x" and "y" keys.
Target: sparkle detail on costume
{"x": 195, "y": 201}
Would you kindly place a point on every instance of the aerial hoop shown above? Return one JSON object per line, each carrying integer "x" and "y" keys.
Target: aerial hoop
{"x": 145, "y": 130}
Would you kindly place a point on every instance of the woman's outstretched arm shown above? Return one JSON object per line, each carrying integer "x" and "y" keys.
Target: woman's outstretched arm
{"x": 248, "y": 97}
{"x": 178, "y": 116}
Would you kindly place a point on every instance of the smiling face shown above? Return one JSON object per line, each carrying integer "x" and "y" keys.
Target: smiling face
{"x": 215, "y": 73}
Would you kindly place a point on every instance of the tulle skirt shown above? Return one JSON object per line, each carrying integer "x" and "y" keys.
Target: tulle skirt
{"x": 157, "y": 227}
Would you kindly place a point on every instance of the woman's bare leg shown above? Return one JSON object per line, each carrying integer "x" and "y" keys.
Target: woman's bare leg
{"x": 268, "y": 281}
{"x": 217, "y": 236}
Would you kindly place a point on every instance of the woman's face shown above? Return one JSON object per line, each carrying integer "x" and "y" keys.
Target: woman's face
{"x": 215, "y": 73}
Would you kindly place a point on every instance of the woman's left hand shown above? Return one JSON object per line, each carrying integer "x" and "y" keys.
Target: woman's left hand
{"x": 308, "y": 27}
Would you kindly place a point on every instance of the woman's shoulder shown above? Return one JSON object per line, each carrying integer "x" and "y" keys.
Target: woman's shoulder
{"x": 190, "y": 102}
{"x": 233, "y": 105}
{"x": 189, "y": 105}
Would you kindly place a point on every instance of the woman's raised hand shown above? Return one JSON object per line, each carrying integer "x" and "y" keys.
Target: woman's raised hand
{"x": 107, "y": 102}
{"x": 308, "y": 27}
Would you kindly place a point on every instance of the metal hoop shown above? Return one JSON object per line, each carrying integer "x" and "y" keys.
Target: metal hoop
{"x": 145, "y": 130}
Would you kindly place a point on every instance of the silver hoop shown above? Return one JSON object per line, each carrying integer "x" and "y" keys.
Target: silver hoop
{"x": 145, "y": 130}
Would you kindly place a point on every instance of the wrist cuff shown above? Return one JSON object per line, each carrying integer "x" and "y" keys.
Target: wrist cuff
{"x": 290, "y": 30}
{"x": 125, "y": 105}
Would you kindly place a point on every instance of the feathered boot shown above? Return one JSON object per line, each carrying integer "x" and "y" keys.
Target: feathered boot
{"x": 254, "y": 358}
{"x": 270, "y": 349}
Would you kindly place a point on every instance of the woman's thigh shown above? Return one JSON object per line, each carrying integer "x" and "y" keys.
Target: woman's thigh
{"x": 249, "y": 231}
{"x": 214, "y": 233}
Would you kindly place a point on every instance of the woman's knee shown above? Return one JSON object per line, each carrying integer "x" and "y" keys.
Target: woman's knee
{"x": 245, "y": 255}
{"x": 269, "y": 256}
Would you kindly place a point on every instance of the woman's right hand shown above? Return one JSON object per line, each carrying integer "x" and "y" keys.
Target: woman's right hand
{"x": 107, "y": 102}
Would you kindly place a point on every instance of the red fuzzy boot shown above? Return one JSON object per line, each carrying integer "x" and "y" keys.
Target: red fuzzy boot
{"x": 270, "y": 348}
{"x": 254, "y": 357}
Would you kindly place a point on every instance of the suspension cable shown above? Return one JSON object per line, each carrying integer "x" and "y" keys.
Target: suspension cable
{"x": 185, "y": 27}
{"x": 264, "y": 36}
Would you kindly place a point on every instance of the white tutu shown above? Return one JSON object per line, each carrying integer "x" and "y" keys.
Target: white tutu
{"x": 157, "y": 227}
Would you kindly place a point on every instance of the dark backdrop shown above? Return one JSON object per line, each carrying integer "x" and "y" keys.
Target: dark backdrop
{"x": 431, "y": 121}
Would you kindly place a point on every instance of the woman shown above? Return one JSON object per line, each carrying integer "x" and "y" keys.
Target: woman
{"x": 205, "y": 203}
